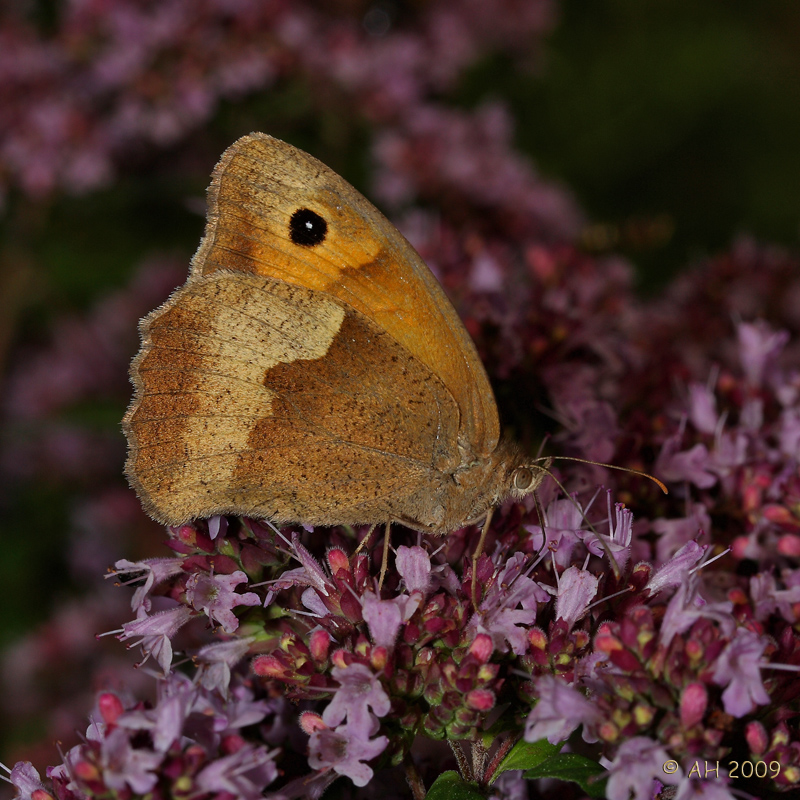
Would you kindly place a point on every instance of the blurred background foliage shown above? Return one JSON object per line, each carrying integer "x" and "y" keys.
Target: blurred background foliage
{"x": 674, "y": 123}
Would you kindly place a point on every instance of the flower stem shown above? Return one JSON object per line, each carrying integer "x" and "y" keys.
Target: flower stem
{"x": 464, "y": 767}
{"x": 413, "y": 777}
{"x": 501, "y": 752}
{"x": 479, "y": 754}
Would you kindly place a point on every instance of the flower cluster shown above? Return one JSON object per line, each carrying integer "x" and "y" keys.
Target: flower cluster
{"x": 584, "y": 617}
{"x": 736, "y": 442}
{"x": 115, "y": 81}
{"x": 566, "y": 630}
{"x": 189, "y": 744}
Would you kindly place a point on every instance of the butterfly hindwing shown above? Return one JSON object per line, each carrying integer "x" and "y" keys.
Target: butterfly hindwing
{"x": 259, "y": 398}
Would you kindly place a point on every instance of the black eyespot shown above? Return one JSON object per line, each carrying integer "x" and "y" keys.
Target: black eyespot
{"x": 522, "y": 478}
{"x": 307, "y": 228}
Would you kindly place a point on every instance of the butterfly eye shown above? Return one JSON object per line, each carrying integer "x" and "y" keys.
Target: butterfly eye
{"x": 522, "y": 479}
{"x": 307, "y": 228}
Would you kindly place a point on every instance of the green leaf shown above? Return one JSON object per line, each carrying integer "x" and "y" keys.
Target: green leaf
{"x": 571, "y": 767}
{"x": 527, "y": 755}
{"x": 451, "y": 786}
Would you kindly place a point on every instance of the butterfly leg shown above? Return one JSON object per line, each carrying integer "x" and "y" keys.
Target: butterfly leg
{"x": 477, "y": 554}
{"x": 387, "y": 541}
{"x": 365, "y": 541}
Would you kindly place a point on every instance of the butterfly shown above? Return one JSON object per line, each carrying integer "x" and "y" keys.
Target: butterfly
{"x": 311, "y": 369}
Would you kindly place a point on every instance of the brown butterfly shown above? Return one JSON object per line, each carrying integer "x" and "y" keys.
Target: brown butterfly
{"x": 311, "y": 369}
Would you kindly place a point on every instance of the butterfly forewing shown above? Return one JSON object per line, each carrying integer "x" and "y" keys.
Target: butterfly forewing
{"x": 260, "y": 192}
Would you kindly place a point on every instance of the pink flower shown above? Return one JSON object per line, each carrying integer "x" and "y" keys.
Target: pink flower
{"x": 676, "y": 570}
{"x": 310, "y": 573}
{"x": 738, "y": 668}
{"x": 217, "y": 525}
{"x": 499, "y": 615}
{"x": 789, "y": 437}
{"x": 216, "y": 660}
{"x": 576, "y": 590}
{"x": 691, "y": 465}
{"x": 243, "y": 774}
{"x": 636, "y": 768}
{"x": 675, "y": 532}
{"x": 154, "y": 570}
{"x": 768, "y": 598}
{"x": 165, "y": 722}
{"x": 759, "y": 347}
{"x": 189, "y": 733}
{"x": 359, "y": 692}
{"x": 383, "y": 618}
{"x": 702, "y": 408}
{"x": 563, "y": 527}
{"x": 156, "y": 632}
{"x": 687, "y": 606}
{"x": 344, "y": 750}
{"x": 215, "y": 595}
{"x": 25, "y": 779}
{"x": 125, "y": 767}
{"x": 559, "y": 710}
{"x": 414, "y": 566}
{"x": 619, "y": 536}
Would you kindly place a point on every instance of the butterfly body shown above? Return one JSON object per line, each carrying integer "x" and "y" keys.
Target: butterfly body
{"x": 311, "y": 369}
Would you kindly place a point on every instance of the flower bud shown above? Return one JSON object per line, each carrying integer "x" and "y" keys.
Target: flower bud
{"x": 110, "y": 707}
{"x": 694, "y": 700}
{"x": 481, "y": 699}
{"x": 757, "y": 739}
{"x": 482, "y": 647}
{"x": 319, "y": 643}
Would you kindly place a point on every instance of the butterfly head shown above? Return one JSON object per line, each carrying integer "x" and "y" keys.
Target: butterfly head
{"x": 485, "y": 483}
{"x": 526, "y": 479}
{"x": 519, "y": 475}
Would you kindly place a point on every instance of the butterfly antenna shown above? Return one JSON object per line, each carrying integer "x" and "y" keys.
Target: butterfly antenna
{"x": 633, "y": 471}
